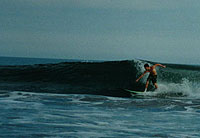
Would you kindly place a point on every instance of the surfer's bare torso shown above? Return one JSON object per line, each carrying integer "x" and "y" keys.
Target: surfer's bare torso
{"x": 152, "y": 70}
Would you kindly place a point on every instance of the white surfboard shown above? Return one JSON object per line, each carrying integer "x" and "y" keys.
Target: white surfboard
{"x": 135, "y": 92}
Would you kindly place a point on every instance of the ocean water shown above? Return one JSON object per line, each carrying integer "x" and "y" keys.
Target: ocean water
{"x": 30, "y": 61}
{"x": 25, "y": 114}
{"x": 86, "y": 99}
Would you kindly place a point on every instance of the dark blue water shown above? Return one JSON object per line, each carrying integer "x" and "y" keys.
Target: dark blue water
{"x": 31, "y": 61}
{"x": 86, "y": 99}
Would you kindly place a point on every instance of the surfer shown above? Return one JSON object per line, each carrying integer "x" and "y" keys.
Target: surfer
{"x": 152, "y": 76}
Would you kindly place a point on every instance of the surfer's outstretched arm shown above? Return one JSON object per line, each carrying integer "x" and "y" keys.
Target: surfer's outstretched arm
{"x": 160, "y": 65}
{"x": 141, "y": 76}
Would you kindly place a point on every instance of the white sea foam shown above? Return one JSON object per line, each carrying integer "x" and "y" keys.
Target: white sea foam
{"x": 140, "y": 69}
{"x": 186, "y": 87}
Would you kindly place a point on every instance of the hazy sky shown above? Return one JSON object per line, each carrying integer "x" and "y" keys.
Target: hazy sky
{"x": 157, "y": 30}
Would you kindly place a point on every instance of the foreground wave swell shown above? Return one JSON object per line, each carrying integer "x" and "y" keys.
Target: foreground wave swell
{"x": 100, "y": 78}
{"x": 26, "y": 114}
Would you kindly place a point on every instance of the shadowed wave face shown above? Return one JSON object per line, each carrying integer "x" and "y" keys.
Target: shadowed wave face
{"x": 99, "y": 78}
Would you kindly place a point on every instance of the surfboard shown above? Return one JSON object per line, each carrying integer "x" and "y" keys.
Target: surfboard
{"x": 135, "y": 92}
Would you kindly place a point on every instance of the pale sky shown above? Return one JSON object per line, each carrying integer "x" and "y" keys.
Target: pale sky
{"x": 156, "y": 30}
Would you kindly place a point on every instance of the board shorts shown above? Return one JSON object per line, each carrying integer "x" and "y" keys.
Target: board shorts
{"x": 152, "y": 78}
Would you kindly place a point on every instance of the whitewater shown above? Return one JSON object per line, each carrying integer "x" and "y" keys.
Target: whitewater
{"x": 86, "y": 99}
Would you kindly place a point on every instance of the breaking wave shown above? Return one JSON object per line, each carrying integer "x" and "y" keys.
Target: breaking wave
{"x": 99, "y": 78}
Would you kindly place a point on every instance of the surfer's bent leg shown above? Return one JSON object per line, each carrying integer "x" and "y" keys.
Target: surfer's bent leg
{"x": 154, "y": 81}
{"x": 147, "y": 84}
{"x": 156, "y": 85}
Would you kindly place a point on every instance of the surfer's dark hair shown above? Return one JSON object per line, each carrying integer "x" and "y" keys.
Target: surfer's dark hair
{"x": 146, "y": 65}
